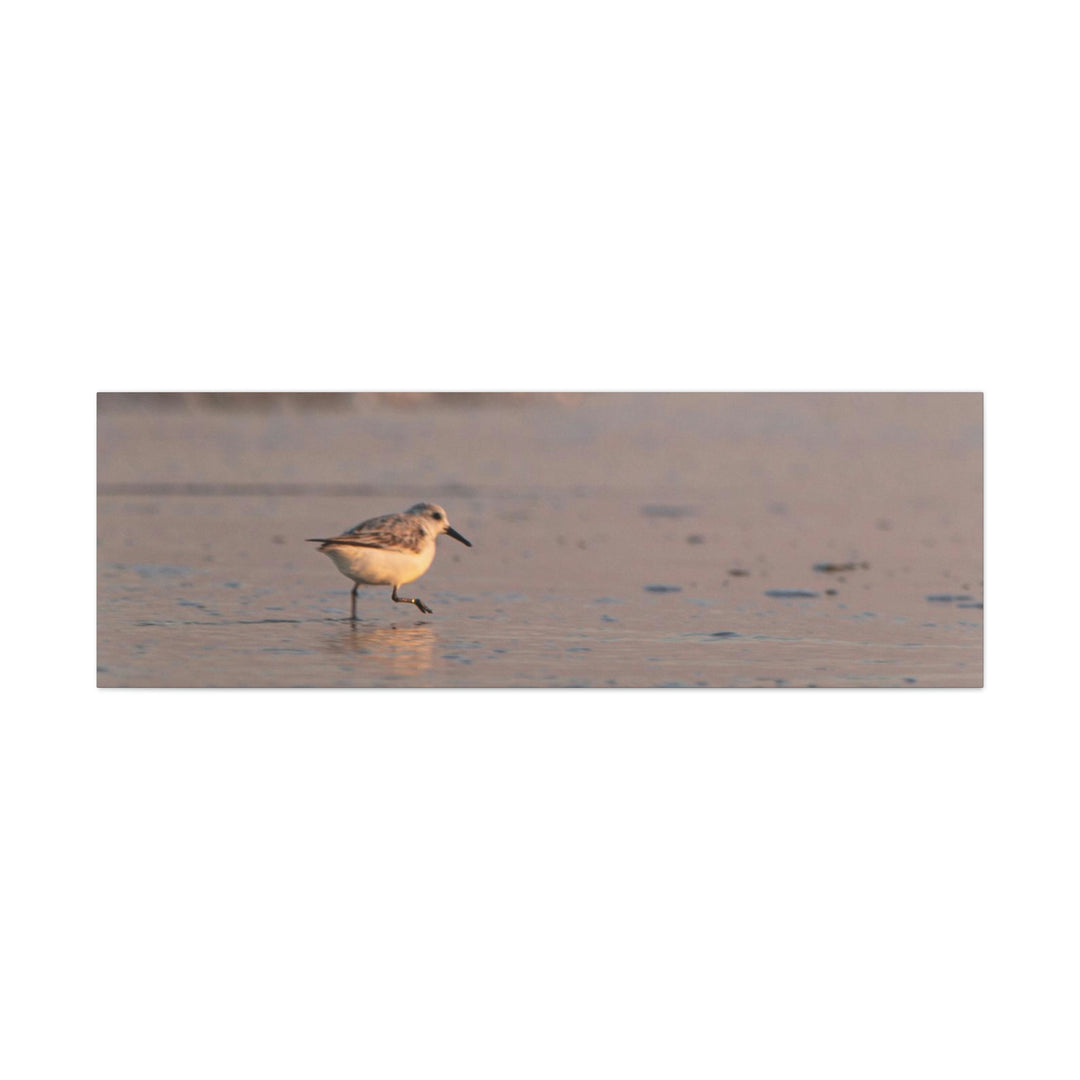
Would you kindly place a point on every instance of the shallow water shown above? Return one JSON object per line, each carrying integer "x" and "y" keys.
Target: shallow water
{"x": 624, "y": 541}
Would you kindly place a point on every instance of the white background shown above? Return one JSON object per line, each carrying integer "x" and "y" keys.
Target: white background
{"x": 542, "y": 197}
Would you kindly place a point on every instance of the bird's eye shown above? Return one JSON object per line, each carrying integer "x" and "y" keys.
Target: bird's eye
{"x": 437, "y": 516}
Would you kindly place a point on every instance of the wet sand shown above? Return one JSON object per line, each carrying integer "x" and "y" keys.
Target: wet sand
{"x": 620, "y": 540}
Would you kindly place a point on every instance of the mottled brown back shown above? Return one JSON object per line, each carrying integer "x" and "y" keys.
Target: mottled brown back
{"x": 390, "y": 531}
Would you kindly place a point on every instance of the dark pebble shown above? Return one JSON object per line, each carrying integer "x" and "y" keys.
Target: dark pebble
{"x": 663, "y": 588}
{"x": 664, "y": 511}
{"x": 789, "y": 593}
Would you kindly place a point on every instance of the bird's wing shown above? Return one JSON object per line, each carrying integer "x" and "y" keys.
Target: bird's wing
{"x": 389, "y": 532}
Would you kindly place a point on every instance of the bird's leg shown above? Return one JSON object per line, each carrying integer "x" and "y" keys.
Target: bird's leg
{"x": 409, "y": 600}
{"x": 354, "y": 590}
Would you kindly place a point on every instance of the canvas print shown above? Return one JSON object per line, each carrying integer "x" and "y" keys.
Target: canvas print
{"x": 599, "y": 540}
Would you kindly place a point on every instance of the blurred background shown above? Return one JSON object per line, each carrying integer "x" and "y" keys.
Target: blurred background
{"x": 620, "y": 539}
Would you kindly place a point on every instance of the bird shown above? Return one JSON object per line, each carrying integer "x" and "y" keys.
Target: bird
{"x": 393, "y": 549}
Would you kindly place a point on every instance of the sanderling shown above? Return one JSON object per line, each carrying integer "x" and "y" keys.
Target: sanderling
{"x": 390, "y": 550}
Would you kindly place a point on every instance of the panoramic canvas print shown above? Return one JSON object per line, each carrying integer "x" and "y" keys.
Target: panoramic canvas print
{"x": 603, "y": 540}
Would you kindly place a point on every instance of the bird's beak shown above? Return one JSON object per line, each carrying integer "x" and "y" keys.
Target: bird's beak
{"x": 457, "y": 536}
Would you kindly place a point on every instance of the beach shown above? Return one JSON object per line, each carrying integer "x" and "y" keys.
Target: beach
{"x": 619, "y": 540}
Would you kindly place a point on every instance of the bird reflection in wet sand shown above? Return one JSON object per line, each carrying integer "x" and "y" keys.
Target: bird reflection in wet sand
{"x": 393, "y": 650}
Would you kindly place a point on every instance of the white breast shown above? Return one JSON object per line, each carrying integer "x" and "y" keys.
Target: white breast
{"x": 376, "y": 566}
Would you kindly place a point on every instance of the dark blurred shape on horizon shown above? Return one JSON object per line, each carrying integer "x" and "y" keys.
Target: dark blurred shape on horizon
{"x": 311, "y": 401}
